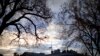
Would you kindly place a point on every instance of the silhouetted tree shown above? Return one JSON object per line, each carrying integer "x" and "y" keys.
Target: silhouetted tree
{"x": 86, "y": 14}
{"x": 10, "y": 8}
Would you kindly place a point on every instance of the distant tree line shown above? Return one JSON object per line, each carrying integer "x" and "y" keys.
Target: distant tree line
{"x": 55, "y": 53}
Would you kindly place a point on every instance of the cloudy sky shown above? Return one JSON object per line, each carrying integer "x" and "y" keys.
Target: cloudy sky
{"x": 55, "y": 5}
{"x": 52, "y": 31}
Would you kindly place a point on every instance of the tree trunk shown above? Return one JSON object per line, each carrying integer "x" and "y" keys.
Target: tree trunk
{"x": 2, "y": 29}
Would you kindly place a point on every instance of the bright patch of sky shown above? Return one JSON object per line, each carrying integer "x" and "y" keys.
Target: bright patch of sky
{"x": 55, "y": 4}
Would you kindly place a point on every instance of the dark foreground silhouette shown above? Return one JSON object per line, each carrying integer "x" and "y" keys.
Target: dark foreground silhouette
{"x": 1, "y": 55}
{"x": 53, "y": 53}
